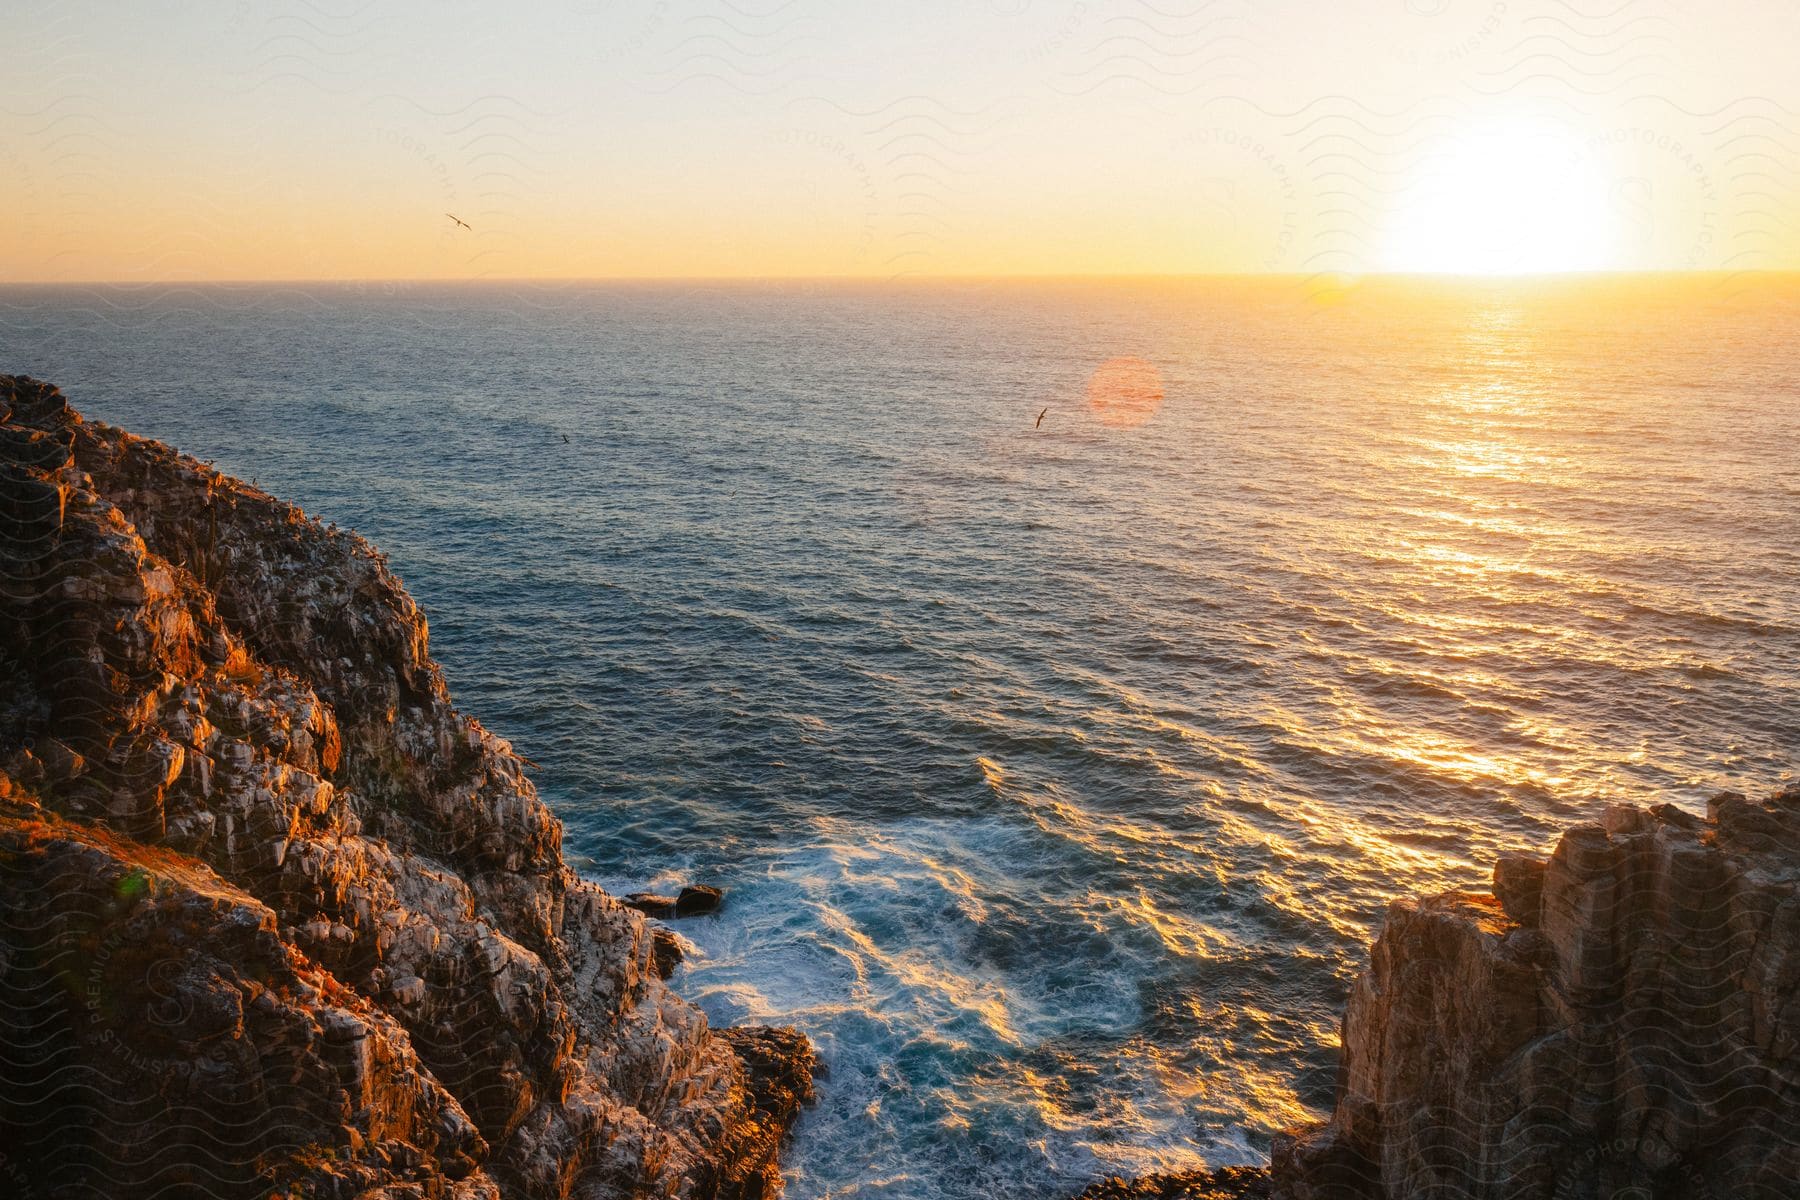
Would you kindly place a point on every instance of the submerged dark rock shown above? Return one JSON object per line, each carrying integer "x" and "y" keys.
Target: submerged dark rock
{"x": 273, "y": 915}
{"x": 652, "y": 904}
{"x": 693, "y": 901}
{"x": 697, "y": 900}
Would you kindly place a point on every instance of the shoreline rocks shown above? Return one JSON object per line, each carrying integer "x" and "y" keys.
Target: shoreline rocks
{"x": 694, "y": 900}
{"x": 651, "y": 904}
{"x": 697, "y": 900}
{"x": 1617, "y": 1021}
{"x": 273, "y": 910}
{"x": 666, "y": 951}
{"x": 1225, "y": 1183}
{"x": 1621, "y": 1019}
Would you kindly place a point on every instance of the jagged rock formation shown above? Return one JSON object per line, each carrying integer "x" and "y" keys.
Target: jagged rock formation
{"x": 1620, "y": 1022}
{"x": 1226, "y": 1183}
{"x": 274, "y": 917}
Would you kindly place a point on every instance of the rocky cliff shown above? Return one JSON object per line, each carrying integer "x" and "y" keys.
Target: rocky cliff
{"x": 275, "y": 918}
{"x": 1620, "y": 1021}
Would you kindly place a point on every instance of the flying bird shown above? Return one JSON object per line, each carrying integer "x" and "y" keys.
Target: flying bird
{"x": 1040, "y": 420}
{"x": 565, "y": 437}
{"x": 460, "y": 221}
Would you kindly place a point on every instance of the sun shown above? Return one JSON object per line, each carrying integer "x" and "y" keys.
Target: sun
{"x": 1509, "y": 198}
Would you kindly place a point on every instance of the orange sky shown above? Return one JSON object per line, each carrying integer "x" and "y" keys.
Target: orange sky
{"x": 663, "y": 138}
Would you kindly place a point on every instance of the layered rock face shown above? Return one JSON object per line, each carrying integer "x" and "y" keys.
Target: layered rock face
{"x": 1620, "y": 1022}
{"x": 274, "y": 917}
{"x": 1226, "y": 1183}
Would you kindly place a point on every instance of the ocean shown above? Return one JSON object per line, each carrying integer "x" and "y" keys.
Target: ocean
{"x": 1057, "y": 773}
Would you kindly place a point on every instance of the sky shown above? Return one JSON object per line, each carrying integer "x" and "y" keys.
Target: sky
{"x": 893, "y": 138}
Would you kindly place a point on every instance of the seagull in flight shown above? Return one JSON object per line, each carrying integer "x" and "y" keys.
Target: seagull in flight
{"x": 1040, "y": 419}
{"x": 460, "y": 221}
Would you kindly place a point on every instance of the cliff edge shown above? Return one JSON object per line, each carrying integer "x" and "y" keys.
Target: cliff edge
{"x": 1620, "y": 1021}
{"x": 274, "y": 917}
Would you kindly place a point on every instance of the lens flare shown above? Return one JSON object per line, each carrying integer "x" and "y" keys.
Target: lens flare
{"x": 1124, "y": 392}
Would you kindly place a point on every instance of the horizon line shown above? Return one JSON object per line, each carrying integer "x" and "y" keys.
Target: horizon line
{"x": 1351, "y": 277}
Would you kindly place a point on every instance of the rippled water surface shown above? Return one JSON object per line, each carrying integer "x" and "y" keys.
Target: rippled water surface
{"x": 1057, "y": 774}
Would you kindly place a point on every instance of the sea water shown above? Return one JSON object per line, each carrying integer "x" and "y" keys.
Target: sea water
{"x": 1057, "y": 773}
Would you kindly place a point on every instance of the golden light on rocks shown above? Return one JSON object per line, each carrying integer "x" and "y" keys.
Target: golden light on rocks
{"x": 1124, "y": 392}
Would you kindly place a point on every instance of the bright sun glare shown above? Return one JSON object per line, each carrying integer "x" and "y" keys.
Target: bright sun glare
{"x": 1505, "y": 199}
